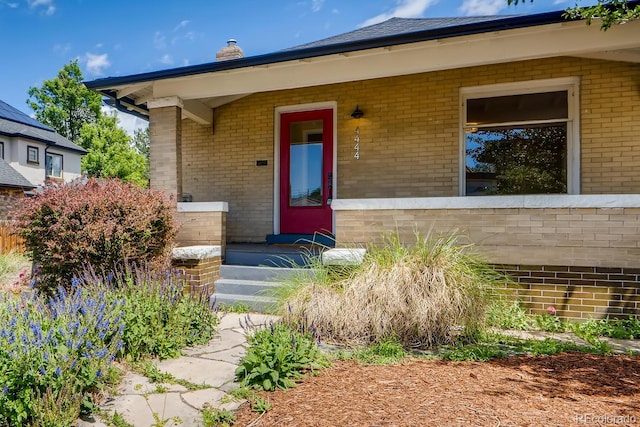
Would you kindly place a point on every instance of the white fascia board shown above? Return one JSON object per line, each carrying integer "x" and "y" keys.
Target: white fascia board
{"x": 565, "y": 39}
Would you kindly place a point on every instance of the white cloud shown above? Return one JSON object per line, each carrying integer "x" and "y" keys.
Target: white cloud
{"x": 482, "y": 7}
{"x": 316, "y": 5}
{"x": 9, "y": 5}
{"x": 182, "y": 24}
{"x": 97, "y": 63}
{"x": 335, "y": 11}
{"x": 166, "y": 59}
{"x": 48, "y": 5}
{"x": 159, "y": 40}
{"x": 185, "y": 62}
{"x": 560, "y": 1}
{"x": 404, "y": 9}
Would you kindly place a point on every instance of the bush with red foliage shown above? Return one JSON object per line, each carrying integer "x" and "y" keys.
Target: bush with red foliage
{"x": 102, "y": 223}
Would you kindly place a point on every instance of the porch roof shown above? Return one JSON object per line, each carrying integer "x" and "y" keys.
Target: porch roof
{"x": 381, "y": 50}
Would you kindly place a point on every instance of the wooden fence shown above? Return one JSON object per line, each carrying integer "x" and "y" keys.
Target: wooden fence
{"x": 9, "y": 242}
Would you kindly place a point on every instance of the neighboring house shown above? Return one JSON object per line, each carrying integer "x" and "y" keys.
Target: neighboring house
{"x": 35, "y": 151}
{"x": 521, "y": 131}
{"x": 12, "y": 188}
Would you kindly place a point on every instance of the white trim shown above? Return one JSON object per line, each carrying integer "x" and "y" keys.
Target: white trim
{"x": 167, "y": 101}
{"x": 333, "y": 105}
{"x": 569, "y": 84}
{"x": 492, "y": 202}
{"x": 203, "y": 207}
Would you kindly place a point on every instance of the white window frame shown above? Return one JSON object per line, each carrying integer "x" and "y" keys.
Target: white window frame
{"x": 46, "y": 165}
{"x": 569, "y": 84}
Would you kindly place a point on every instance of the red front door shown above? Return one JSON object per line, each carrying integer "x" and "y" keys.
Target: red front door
{"x": 306, "y": 172}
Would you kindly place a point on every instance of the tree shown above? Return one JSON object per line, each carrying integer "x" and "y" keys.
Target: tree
{"x": 141, "y": 141}
{"x": 529, "y": 160}
{"x": 110, "y": 154}
{"x": 64, "y": 103}
{"x": 608, "y": 11}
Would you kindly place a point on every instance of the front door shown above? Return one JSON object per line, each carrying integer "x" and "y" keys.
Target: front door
{"x": 306, "y": 172}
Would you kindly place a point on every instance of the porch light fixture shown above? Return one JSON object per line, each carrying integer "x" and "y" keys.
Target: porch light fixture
{"x": 357, "y": 113}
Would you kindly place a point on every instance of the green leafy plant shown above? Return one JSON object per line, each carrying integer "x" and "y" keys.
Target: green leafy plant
{"x": 260, "y": 405}
{"x": 97, "y": 223}
{"x": 386, "y": 352}
{"x": 217, "y": 418}
{"x": 54, "y": 352}
{"x": 628, "y": 328}
{"x": 117, "y": 420}
{"x": 162, "y": 314}
{"x": 238, "y": 307}
{"x": 549, "y": 321}
{"x": 277, "y": 356}
{"x": 504, "y": 314}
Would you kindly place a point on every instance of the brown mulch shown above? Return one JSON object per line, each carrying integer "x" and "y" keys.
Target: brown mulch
{"x": 562, "y": 390}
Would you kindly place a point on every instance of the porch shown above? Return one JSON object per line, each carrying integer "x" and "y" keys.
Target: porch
{"x": 578, "y": 253}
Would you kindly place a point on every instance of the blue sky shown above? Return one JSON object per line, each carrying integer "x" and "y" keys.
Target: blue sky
{"x": 118, "y": 37}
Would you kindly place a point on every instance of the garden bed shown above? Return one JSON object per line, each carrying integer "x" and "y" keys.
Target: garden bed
{"x": 564, "y": 389}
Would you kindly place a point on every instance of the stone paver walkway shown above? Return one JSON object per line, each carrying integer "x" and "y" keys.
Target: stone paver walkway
{"x": 213, "y": 365}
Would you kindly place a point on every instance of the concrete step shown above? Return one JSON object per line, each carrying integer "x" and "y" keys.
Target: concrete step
{"x": 245, "y": 287}
{"x": 261, "y": 304}
{"x": 265, "y": 274}
{"x": 268, "y": 259}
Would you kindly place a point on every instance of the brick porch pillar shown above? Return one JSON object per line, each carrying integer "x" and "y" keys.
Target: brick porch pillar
{"x": 165, "y": 123}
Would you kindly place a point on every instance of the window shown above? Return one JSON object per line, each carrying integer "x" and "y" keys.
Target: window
{"x": 53, "y": 165}
{"x": 518, "y": 139}
{"x": 33, "y": 155}
{"x": 1, "y": 150}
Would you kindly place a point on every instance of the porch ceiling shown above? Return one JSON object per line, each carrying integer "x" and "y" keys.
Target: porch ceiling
{"x": 212, "y": 89}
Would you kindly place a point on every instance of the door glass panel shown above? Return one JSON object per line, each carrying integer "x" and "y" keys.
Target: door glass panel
{"x": 305, "y": 170}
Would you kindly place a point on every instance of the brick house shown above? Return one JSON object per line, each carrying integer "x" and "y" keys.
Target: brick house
{"x": 523, "y": 132}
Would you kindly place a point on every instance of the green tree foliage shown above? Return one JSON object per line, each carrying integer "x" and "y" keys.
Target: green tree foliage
{"x": 64, "y": 103}
{"x": 524, "y": 160}
{"x": 141, "y": 141}
{"x": 609, "y": 12}
{"x": 110, "y": 154}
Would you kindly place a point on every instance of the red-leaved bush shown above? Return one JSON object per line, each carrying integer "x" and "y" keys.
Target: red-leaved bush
{"x": 101, "y": 223}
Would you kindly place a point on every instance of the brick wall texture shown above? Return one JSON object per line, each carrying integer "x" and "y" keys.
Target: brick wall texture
{"x": 166, "y": 150}
{"x": 577, "y": 293}
{"x": 409, "y": 137}
{"x": 201, "y": 274}
{"x": 9, "y": 200}
{"x": 202, "y": 228}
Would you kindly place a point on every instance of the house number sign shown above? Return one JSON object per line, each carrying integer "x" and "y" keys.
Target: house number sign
{"x": 356, "y": 147}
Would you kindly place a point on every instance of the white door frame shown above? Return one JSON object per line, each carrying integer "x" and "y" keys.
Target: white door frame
{"x": 333, "y": 105}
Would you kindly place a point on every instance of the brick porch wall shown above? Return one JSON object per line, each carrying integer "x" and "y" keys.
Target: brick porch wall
{"x": 201, "y": 274}
{"x": 202, "y": 228}
{"x": 599, "y": 237}
{"x": 577, "y": 293}
{"x": 413, "y": 120}
{"x": 9, "y": 200}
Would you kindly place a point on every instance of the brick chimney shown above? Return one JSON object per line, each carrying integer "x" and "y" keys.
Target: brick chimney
{"x": 230, "y": 51}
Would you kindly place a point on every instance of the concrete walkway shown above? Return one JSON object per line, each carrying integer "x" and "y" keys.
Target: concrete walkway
{"x": 145, "y": 404}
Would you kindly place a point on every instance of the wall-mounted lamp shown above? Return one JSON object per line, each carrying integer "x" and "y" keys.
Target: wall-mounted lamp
{"x": 357, "y": 113}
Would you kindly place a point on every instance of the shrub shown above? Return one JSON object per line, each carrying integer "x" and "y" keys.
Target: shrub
{"x": 430, "y": 293}
{"x": 101, "y": 223}
{"x": 55, "y": 350}
{"x": 277, "y": 356}
{"x": 162, "y": 314}
{"x": 508, "y": 315}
